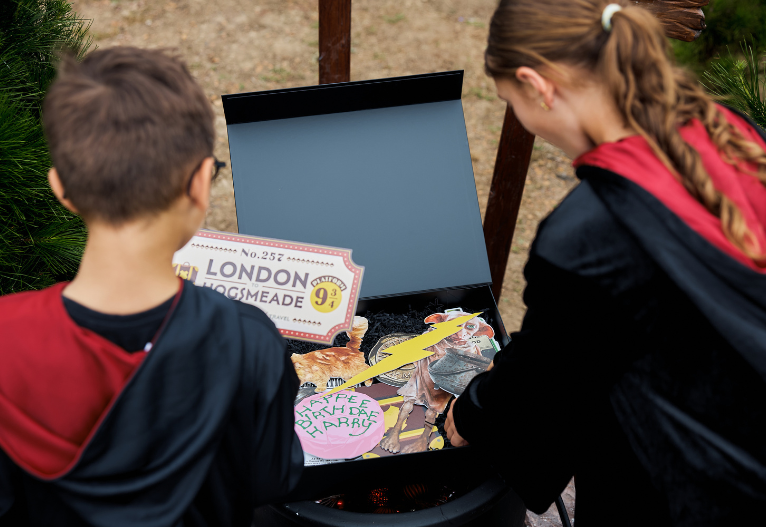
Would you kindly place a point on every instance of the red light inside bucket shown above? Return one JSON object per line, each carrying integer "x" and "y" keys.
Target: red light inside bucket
{"x": 379, "y": 496}
{"x": 388, "y": 500}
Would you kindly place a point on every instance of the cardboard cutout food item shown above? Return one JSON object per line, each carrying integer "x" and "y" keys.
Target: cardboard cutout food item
{"x": 343, "y": 425}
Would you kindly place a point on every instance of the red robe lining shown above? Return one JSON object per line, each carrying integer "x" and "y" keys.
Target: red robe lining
{"x": 633, "y": 158}
{"x": 58, "y": 381}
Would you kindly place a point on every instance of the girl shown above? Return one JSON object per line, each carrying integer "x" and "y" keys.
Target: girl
{"x": 646, "y": 287}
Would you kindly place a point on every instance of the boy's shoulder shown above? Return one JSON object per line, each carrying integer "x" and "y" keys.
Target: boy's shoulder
{"x": 32, "y": 310}
{"x": 28, "y": 304}
{"x": 251, "y": 317}
{"x": 263, "y": 346}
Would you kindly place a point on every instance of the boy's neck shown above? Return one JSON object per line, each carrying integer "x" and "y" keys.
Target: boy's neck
{"x": 127, "y": 269}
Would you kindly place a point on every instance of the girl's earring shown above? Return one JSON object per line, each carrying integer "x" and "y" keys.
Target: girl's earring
{"x": 545, "y": 106}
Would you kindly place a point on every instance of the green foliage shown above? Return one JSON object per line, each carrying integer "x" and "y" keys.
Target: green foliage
{"x": 740, "y": 83}
{"x": 40, "y": 241}
{"x": 729, "y": 22}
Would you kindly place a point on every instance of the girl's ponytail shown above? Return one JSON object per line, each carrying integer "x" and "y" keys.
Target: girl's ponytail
{"x": 656, "y": 98}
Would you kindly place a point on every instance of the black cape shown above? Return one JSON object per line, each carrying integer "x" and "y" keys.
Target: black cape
{"x": 200, "y": 436}
{"x": 645, "y": 345}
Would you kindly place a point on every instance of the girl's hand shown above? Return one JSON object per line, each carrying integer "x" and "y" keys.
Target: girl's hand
{"x": 449, "y": 427}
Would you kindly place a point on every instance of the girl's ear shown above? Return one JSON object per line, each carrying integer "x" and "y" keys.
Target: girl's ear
{"x": 541, "y": 87}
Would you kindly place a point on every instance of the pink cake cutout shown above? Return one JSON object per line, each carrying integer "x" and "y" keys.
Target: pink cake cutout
{"x": 343, "y": 425}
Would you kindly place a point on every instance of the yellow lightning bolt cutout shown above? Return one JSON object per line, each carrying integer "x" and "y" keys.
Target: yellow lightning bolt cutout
{"x": 409, "y": 351}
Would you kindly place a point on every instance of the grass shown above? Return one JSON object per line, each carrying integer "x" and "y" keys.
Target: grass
{"x": 479, "y": 93}
{"x": 395, "y": 19}
{"x": 281, "y": 75}
{"x": 277, "y": 75}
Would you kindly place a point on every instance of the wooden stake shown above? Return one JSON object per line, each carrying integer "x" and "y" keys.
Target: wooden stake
{"x": 513, "y": 154}
{"x": 334, "y": 41}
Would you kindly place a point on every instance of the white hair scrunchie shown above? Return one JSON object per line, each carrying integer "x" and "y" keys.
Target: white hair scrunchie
{"x": 606, "y": 16}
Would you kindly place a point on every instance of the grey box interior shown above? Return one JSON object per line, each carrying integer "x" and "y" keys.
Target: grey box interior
{"x": 393, "y": 184}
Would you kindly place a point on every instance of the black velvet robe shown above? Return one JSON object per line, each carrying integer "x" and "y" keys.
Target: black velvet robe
{"x": 639, "y": 369}
{"x": 199, "y": 436}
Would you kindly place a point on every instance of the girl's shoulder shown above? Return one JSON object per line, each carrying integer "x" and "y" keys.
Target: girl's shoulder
{"x": 581, "y": 235}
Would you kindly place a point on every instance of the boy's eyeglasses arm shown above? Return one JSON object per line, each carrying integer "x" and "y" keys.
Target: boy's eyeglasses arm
{"x": 217, "y": 166}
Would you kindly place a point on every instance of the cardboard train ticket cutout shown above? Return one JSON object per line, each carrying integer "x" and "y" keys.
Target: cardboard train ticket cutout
{"x": 461, "y": 351}
{"x": 309, "y": 291}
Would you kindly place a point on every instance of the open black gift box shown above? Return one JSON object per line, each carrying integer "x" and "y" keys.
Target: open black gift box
{"x": 381, "y": 167}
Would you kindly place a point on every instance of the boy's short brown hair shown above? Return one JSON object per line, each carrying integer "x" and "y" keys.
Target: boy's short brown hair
{"x": 126, "y": 128}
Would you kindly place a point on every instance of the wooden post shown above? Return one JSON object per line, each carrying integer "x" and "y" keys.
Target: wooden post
{"x": 513, "y": 154}
{"x": 334, "y": 41}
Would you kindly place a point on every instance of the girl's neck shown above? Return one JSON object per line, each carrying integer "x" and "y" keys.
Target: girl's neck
{"x": 601, "y": 119}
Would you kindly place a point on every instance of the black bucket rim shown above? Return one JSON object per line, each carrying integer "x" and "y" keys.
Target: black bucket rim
{"x": 481, "y": 498}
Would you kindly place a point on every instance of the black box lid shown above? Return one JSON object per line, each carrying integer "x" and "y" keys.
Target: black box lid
{"x": 381, "y": 167}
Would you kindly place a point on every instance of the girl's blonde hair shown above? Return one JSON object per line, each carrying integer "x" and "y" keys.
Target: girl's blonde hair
{"x": 654, "y": 95}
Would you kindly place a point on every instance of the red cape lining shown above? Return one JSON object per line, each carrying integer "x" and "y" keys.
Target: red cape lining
{"x": 58, "y": 381}
{"x": 633, "y": 159}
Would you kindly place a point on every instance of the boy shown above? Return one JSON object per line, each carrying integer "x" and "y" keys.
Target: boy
{"x": 129, "y": 396}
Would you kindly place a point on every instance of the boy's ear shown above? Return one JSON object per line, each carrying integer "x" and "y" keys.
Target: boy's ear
{"x": 58, "y": 190}
{"x": 199, "y": 190}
